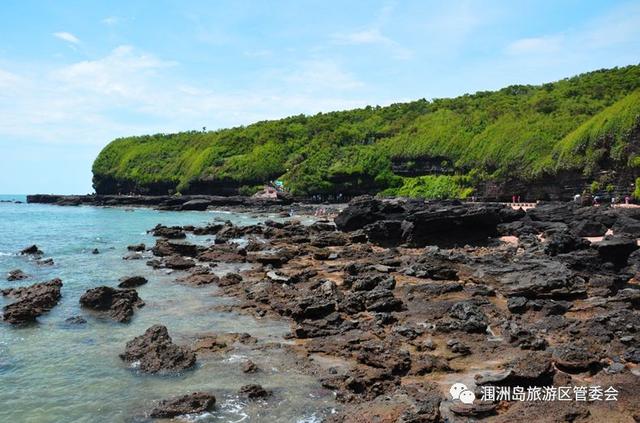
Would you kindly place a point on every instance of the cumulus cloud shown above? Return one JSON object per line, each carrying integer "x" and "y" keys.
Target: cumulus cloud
{"x": 67, "y": 36}
{"x": 129, "y": 91}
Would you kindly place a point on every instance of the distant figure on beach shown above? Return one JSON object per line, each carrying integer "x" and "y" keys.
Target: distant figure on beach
{"x": 513, "y": 198}
{"x": 626, "y": 199}
{"x": 518, "y": 198}
{"x": 576, "y": 198}
{"x": 596, "y": 200}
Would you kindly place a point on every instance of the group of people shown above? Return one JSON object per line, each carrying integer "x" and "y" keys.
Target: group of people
{"x": 596, "y": 200}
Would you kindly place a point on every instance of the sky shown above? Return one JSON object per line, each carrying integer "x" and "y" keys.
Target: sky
{"x": 74, "y": 75}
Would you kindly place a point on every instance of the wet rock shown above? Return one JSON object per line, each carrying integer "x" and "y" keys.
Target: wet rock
{"x": 132, "y": 281}
{"x": 32, "y": 250}
{"x": 164, "y": 248}
{"x": 174, "y": 232}
{"x": 119, "y": 304}
{"x": 76, "y": 320}
{"x": 154, "y": 352}
{"x": 254, "y": 391}
{"x": 45, "y": 262}
{"x": 249, "y": 367}
{"x": 95, "y": 251}
{"x": 137, "y": 247}
{"x": 196, "y": 205}
{"x": 197, "y": 402}
{"x": 16, "y": 275}
{"x": 210, "y": 229}
{"x": 32, "y": 301}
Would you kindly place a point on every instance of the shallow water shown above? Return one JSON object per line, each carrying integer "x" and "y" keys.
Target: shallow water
{"x": 56, "y": 372}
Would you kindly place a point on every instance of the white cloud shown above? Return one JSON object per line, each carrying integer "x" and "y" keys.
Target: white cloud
{"x": 111, "y": 20}
{"x": 373, "y": 36}
{"x": 367, "y": 36}
{"x": 536, "y": 45}
{"x": 67, "y": 36}
{"x": 132, "y": 92}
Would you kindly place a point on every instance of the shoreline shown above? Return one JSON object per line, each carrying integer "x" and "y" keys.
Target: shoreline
{"x": 389, "y": 326}
{"x": 392, "y": 302}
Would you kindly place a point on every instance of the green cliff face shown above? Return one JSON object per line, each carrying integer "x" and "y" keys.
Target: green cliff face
{"x": 581, "y": 128}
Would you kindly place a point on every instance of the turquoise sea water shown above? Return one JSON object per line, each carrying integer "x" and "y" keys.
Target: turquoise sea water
{"x": 56, "y": 372}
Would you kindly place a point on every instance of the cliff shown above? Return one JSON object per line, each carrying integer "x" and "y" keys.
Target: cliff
{"x": 545, "y": 141}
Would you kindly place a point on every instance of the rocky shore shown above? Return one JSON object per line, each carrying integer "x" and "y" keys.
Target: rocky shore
{"x": 393, "y": 302}
{"x": 163, "y": 202}
{"x": 397, "y": 301}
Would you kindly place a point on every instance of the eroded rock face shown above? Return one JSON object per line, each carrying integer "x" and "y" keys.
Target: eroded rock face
{"x": 32, "y": 301}
{"x": 154, "y": 351}
{"x": 418, "y": 224}
{"x": 119, "y": 304}
{"x": 197, "y": 402}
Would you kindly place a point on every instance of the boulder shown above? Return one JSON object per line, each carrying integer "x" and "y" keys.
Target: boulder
{"x": 132, "y": 281}
{"x": 164, "y": 248}
{"x": 254, "y": 391}
{"x": 199, "y": 205}
{"x": 32, "y": 250}
{"x": 197, "y": 402}
{"x": 174, "y": 232}
{"x": 154, "y": 352}
{"x": 119, "y": 304}
{"x": 16, "y": 275}
{"x": 616, "y": 249}
{"x": 32, "y": 301}
{"x": 137, "y": 247}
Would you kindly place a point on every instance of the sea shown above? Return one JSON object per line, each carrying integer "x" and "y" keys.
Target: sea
{"x": 53, "y": 371}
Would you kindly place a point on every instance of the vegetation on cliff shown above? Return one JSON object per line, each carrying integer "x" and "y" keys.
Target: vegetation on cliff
{"x": 440, "y": 148}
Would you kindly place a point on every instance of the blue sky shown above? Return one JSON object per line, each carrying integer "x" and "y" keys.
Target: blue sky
{"x": 76, "y": 74}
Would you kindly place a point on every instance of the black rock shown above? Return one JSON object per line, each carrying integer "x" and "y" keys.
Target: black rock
{"x": 197, "y": 402}
{"x": 254, "y": 391}
{"x": 32, "y": 250}
{"x": 156, "y": 352}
